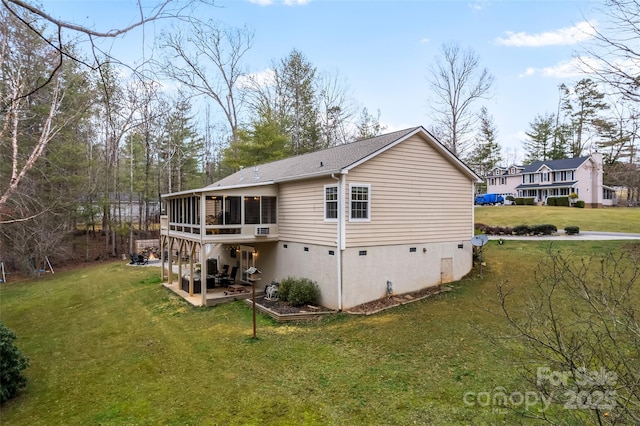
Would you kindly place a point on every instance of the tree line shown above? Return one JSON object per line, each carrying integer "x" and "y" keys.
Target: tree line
{"x": 88, "y": 144}
{"x": 91, "y": 148}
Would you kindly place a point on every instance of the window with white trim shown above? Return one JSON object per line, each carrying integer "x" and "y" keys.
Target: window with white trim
{"x": 359, "y": 205}
{"x": 331, "y": 203}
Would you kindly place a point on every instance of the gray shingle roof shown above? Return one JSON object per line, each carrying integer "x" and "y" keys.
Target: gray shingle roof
{"x": 546, "y": 185}
{"x": 564, "y": 164}
{"x": 325, "y": 162}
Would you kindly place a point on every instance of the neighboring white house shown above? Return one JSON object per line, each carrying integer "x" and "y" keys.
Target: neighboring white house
{"x": 394, "y": 212}
{"x": 554, "y": 178}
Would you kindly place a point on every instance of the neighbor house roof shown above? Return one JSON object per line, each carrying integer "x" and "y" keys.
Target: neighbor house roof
{"x": 564, "y": 164}
{"x": 546, "y": 185}
{"x": 337, "y": 159}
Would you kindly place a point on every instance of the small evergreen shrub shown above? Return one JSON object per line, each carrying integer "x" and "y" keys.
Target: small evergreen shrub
{"x": 301, "y": 291}
{"x": 510, "y": 198}
{"x": 12, "y": 362}
{"x": 522, "y": 230}
{"x": 572, "y": 230}
{"x": 552, "y": 201}
{"x": 580, "y": 204}
{"x": 545, "y": 229}
{"x": 563, "y": 201}
{"x": 524, "y": 201}
{"x": 285, "y": 286}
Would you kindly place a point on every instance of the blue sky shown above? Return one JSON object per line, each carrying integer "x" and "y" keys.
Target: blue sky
{"x": 383, "y": 49}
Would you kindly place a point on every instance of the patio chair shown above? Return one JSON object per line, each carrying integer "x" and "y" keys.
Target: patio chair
{"x": 142, "y": 259}
{"x": 229, "y": 279}
{"x": 224, "y": 272}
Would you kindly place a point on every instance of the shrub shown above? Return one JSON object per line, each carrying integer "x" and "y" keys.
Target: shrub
{"x": 480, "y": 227}
{"x": 524, "y": 201}
{"x": 300, "y": 291}
{"x": 580, "y": 204}
{"x": 552, "y": 201}
{"x": 563, "y": 201}
{"x": 573, "y": 195}
{"x": 545, "y": 229}
{"x": 510, "y": 198}
{"x": 572, "y": 230}
{"x": 521, "y": 230}
{"x": 12, "y": 362}
{"x": 285, "y": 286}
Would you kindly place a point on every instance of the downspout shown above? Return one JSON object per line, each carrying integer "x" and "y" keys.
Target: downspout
{"x": 203, "y": 259}
{"x": 340, "y": 232}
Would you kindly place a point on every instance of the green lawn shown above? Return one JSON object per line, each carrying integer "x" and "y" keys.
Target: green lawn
{"x": 109, "y": 345}
{"x": 614, "y": 219}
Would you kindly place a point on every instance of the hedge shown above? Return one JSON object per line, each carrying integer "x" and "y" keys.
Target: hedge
{"x": 524, "y": 201}
{"x": 572, "y": 230}
{"x": 563, "y": 201}
{"x": 579, "y": 204}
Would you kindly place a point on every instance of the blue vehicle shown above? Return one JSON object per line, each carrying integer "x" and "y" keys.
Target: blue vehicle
{"x": 489, "y": 199}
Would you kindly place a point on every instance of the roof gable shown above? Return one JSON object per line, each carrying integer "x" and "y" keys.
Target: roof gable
{"x": 337, "y": 159}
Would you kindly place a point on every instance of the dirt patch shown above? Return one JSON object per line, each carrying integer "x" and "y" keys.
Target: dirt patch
{"x": 396, "y": 300}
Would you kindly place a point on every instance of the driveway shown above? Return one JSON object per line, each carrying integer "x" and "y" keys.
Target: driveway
{"x": 583, "y": 235}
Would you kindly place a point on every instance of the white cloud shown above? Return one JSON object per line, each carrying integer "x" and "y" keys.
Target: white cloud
{"x": 581, "y": 67}
{"x": 564, "y": 36}
{"x": 479, "y": 4}
{"x": 425, "y": 40}
{"x": 262, "y": 78}
{"x": 262, "y": 2}
{"x": 565, "y": 69}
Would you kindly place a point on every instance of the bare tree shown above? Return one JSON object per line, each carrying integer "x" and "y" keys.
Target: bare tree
{"x": 581, "y": 333}
{"x": 208, "y": 61}
{"x": 614, "y": 55}
{"x": 457, "y": 83}
{"x": 29, "y": 15}
{"x": 336, "y": 109}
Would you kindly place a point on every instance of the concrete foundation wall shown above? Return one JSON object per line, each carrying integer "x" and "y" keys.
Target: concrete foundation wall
{"x": 365, "y": 276}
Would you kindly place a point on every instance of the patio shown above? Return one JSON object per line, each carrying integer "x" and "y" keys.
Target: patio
{"x": 214, "y": 296}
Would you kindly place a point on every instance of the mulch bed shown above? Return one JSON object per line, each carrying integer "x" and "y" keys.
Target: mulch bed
{"x": 376, "y": 306}
{"x": 282, "y": 309}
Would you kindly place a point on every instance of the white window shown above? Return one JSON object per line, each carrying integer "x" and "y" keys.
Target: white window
{"x": 331, "y": 203}
{"x": 359, "y": 205}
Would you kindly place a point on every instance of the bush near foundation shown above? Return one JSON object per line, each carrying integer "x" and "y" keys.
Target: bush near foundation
{"x": 299, "y": 291}
{"x": 12, "y": 362}
{"x": 524, "y": 201}
{"x": 579, "y": 204}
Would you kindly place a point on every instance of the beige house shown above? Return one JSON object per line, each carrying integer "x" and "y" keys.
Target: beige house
{"x": 554, "y": 178}
{"x": 391, "y": 213}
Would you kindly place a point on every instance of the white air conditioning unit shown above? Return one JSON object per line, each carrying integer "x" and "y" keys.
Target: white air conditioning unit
{"x": 262, "y": 231}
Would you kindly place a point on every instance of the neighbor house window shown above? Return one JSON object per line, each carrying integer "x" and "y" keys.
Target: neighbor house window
{"x": 359, "y": 205}
{"x": 331, "y": 202}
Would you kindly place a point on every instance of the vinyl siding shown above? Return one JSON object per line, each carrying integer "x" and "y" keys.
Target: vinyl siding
{"x": 416, "y": 196}
{"x": 301, "y": 213}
